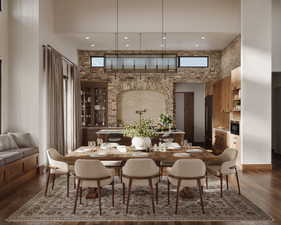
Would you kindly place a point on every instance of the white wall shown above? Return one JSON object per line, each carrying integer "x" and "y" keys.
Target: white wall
{"x": 145, "y": 16}
{"x": 199, "y": 108}
{"x": 4, "y": 58}
{"x": 256, "y": 81}
{"x": 276, "y": 35}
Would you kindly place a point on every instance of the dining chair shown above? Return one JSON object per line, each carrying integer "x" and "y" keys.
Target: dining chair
{"x": 186, "y": 173}
{"x": 223, "y": 166}
{"x": 92, "y": 174}
{"x": 56, "y": 167}
{"x": 140, "y": 172}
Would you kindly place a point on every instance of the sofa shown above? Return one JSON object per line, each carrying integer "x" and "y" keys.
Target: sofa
{"x": 18, "y": 159}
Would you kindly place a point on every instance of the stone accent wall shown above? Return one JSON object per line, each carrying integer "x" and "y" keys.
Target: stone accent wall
{"x": 163, "y": 83}
{"x": 231, "y": 57}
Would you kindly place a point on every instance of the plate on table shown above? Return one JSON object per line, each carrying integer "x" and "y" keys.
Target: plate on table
{"x": 109, "y": 145}
{"x": 139, "y": 154}
{"x": 194, "y": 150}
{"x": 181, "y": 154}
{"x": 84, "y": 149}
{"x": 97, "y": 154}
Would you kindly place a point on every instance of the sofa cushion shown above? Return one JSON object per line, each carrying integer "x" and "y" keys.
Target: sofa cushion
{"x": 23, "y": 140}
{"x": 27, "y": 151}
{"x": 10, "y": 157}
{"x": 7, "y": 142}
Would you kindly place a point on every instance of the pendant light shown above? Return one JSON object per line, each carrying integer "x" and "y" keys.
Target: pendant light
{"x": 117, "y": 38}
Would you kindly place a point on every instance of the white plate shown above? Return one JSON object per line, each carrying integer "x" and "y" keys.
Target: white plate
{"x": 194, "y": 150}
{"x": 139, "y": 154}
{"x": 181, "y": 154}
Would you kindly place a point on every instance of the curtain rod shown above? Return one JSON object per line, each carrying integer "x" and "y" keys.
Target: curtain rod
{"x": 66, "y": 59}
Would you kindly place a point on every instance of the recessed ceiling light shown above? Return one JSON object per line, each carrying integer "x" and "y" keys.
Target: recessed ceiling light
{"x": 197, "y": 45}
{"x": 203, "y": 38}
{"x": 93, "y": 45}
{"x": 164, "y": 37}
{"x": 127, "y": 45}
{"x": 126, "y": 38}
{"x": 87, "y": 38}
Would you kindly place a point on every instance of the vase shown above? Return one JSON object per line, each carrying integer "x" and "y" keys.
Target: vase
{"x": 141, "y": 143}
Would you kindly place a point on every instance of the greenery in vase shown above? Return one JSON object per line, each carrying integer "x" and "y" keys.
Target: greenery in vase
{"x": 165, "y": 120}
{"x": 142, "y": 128}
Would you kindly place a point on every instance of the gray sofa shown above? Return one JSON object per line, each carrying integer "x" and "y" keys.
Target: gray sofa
{"x": 15, "y": 146}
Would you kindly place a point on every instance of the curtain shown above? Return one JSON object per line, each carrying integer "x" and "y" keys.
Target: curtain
{"x": 55, "y": 103}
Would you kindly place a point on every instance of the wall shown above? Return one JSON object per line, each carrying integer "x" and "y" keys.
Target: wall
{"x": 180, "y": 16}
{"x": 276, "y": 35}
{"x": 4, "y": 58}
{"x": 199, "y": 108}
{"x": 256, "y": 69}
{"x": 231, "y": 57}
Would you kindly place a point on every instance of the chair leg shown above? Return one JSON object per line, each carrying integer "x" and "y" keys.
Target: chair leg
{"x": 74, "y": 182}
{"x": 152, "y": 195}
{"x": 226, "y": 177}
{"x": 177, "y": 200}
{"x": 237, "y": 179}
{"x": 206, "y": 178}
{"x": 54, "y": 179}
{"x": 112, "y": 192}
{"x": 156, "y": 187}
{"x": 76, "y": 197}
{"x": 168, "y": 184}
{"x": 201, "y": 195}
{"x": 129, "y": 193}
{"x": 124, "y": 192}
{"x": 67, "y": 185}
{"x": 99, "y": 193}
{"x": 81, "y": 195}
{"x": 221, "y": 182}
{"x": 47, "y": 182}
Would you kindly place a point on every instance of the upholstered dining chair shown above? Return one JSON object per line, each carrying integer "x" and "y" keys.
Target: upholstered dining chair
{"x": 140, "y": 172}
{"x": 224, "y": 166}
{"x": 56, "y": 167}
{"x": 186, "y": 173}
{"x": 92, "y": 174}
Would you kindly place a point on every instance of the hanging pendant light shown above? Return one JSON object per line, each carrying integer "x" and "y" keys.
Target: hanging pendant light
{"x": 140, "y": 39}
{"x": 117, "y": 38}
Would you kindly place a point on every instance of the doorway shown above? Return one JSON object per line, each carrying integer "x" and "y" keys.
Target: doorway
{"x": 185, "y": 114}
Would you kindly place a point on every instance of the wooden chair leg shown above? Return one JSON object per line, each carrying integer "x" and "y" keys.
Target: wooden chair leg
{"x": 67, "y": 185}
{"x": 112, "y": 192}
{"x": 129, "y": 193}
{"x": 152, "y": 195}
{"x": 54, "y": 179}
{"x": 156, "y": 187}
{"x": 226, "y": 177}
{"x": 124, "y": 192}
{"x": 207, "y": 185}
{"x": 177, "y": 200}
{"x": 201, "y": 195}
{"x": 47, "y": 182}
{"x": 74, "y": 182}
{"x": 168, "y": 184}
{"x": 76, "y": 197}
{"x": 221, "y": 183}
{"x": 99, "y": 193}
{"x": 237, "y": 179}
{"x": 81, "y": 195}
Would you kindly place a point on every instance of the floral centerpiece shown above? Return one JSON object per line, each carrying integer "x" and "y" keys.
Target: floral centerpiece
{"x": 165, "y": 121}
{"x": 140, "y": 132}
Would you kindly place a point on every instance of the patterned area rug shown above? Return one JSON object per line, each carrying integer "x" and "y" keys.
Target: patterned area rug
{"x": 57, "y": 207}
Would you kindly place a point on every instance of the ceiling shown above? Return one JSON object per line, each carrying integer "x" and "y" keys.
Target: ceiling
{"x": 151, "y": 41}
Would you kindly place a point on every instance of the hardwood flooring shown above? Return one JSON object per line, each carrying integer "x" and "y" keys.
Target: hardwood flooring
{"x": 261, "y": 187}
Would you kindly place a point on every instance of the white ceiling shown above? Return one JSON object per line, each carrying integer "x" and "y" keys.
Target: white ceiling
{"x": 151, "y": 41}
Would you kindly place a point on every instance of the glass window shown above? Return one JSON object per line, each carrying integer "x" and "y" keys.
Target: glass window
{"x": 97, "y": 61}
{"x": 194, "y": 61}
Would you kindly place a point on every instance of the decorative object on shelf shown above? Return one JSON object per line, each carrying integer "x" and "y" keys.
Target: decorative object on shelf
{"x": 140, "y": 132}
{"x": 165, "y": 121}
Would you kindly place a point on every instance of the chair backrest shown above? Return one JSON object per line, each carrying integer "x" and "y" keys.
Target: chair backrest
{"x": 140, "y": 168}
{"x": 53, "y": 156}
{"x": 229, "y": 154}
{"x": 188, "y": 168}
{"x": 91, "y": 169}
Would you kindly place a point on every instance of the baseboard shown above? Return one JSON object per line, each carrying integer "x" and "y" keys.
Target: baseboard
{"x": 248, "y": 167}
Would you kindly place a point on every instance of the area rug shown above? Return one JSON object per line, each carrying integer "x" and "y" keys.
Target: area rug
{"x": 56, "y": 207}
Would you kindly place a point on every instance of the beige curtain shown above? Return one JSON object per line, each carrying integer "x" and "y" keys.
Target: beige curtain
{"x": 55, "y": 103}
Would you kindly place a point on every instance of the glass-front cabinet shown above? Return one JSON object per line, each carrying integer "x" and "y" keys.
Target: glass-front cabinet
{"x": 94, "y": 104}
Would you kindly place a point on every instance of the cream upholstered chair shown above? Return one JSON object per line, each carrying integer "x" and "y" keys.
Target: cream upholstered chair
{"x": 225, "y": 165}
{"x": 186, "y": 173}
{"x": 140, "y": 172}
{"x": 56, "y": 167}
{"x": 92, "y": 174}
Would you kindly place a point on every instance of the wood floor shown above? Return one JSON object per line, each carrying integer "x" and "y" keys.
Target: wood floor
{"x": 263, "y": 188}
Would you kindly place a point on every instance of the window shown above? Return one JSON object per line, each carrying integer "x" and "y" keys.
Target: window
{"x": 97, "y": 61}
{"x": 194, "y": 61}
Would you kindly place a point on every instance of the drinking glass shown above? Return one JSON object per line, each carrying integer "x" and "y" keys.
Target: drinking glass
{"x": 185, "y": 144}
